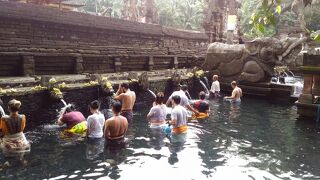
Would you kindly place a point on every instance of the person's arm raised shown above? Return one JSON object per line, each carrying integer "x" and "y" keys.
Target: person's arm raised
{"x": 60, "y": 120}
{"x": 118, "y": 93}
{"x": 118, "y": 97}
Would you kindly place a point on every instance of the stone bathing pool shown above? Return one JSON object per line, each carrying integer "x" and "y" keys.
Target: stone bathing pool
{"x": 254, "y": 140}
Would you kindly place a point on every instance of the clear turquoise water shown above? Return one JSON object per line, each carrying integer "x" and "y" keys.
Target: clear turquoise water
{"x": 254, "y": 140}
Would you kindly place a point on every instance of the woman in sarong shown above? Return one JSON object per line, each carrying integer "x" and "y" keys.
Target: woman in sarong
{"x": 12, "y": 126}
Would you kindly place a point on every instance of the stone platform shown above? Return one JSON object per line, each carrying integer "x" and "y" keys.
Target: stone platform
{"x": 278, "y": 92}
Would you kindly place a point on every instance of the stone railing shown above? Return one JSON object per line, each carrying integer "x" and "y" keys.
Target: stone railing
{"x": 27, "y": 64}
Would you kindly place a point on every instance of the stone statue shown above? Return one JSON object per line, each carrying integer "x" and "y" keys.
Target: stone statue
{"x": 253, "y": 61}
{"x": 144, "y": 81}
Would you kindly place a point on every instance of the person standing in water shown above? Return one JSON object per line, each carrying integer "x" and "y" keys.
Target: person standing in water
{"x": 215, "y": 87}
{"x": 12, "y": 127}
{"x": 184, "y": 100}
{"x": 75, "y": 121}
{"x": 95, "y": 122}
{"x": 158, "y": 113}
{"x": 236, "y": 93}
{"x": 202, "y": 106}
{"x": 115, "y": 127}
{"x": 178, "y": 116}
{"x": 127, "y": 98}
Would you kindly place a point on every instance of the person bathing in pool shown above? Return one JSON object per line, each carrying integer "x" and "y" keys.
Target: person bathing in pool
{"x": 184, "y": 101}
{"x": 202, "y": 106}
{"x": 158, "y": 113}
{"x": 179, "y": 116}
{"x": 95, "y": 122}
{"x": 236, "y": 93}
{"x": 115, "y": 127}
{"x": 127, "y": 98}
{"x": 215, "y": 87}
{"x": 75, "y": 121}
{"x": 12, "y": 127}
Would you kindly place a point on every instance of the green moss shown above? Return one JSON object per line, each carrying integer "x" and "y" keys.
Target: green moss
{"x": 310, "y": 68}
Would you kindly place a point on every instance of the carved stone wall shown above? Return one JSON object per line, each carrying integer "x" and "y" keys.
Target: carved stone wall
{"x": 60, "y": 42}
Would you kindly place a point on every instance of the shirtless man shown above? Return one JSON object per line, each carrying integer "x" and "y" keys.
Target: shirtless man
{"x": 115, "y": 127}
{"x": 236, "y": 93}
{"x": 127, "y": 98}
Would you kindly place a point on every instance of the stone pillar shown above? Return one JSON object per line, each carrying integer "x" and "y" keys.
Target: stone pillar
{"x": 308, "y": 81}
{"x": 79, "y": 65}
{"x": 117, "y": 64}
{"x": 230, "y": 37}
{"x": 28, "y": 66}
{"x": 150, "y": 63}
{"x": 175, "y": 62}
{"x": 316, "y": 85}
{"x": 306, "y": 96}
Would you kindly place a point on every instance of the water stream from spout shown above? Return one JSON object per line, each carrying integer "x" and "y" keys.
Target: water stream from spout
{"x": 204, "y": 86}
{"x": 60, "y": 113}
{"x": 152, "y": 93}
{"x": 291, "y": 73}
{"x": 64, "y": 102}
{"x": 207, "y": 81}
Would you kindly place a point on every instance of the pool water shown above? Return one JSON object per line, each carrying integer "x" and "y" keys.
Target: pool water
{"x": 254, "y": 140}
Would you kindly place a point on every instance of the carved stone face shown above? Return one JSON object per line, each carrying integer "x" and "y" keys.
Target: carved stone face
{"x": 266, "y": 49}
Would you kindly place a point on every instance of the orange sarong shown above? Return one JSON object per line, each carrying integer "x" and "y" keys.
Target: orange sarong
{"x": 200, "y": 116}
{"x": 180, "y": 129}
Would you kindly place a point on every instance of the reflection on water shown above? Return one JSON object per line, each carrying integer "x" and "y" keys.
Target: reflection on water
{"x": 252, "y": 140}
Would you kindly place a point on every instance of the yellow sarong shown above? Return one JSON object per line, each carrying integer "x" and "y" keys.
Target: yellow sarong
{"x": 80, "y": 128}
{"x": 200, "y": 116}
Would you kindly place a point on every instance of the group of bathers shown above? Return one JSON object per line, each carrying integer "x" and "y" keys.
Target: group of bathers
{"x": 115, "y": 127}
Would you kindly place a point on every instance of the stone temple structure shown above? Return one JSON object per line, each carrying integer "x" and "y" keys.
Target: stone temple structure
{"x": 37, "y": 40}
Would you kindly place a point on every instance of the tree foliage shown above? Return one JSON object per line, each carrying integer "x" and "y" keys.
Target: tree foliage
{"x": 110, "y": 8}
{"x": 249, "y": 24}
{"x": 184, "y": 14}
{"x": 271, "y": 13}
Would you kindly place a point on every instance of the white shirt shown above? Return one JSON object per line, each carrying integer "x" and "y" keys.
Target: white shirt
{"x": 95, "y": 124}
{"x": 158, "y": 112}
{"x": 215, "y": 87}
{"x": 184, "y": 99}
{"x": 180, "y": 114}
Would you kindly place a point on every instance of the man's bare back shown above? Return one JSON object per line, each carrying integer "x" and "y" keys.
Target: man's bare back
{"x": 237, "y": 93}
{"x": 128, "y": 99}
{"x": 116, "y": 127}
